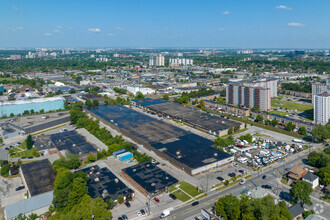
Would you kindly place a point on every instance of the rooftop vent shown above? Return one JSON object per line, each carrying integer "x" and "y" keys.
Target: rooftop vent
{"x": 98, "y": 173}
{"x": 215, "y": 154}
{"x": 97, "y": 179}
{"x": 153, "y": 184}
{"x": 134, "y": 170}
{"x": 116, "y": 181}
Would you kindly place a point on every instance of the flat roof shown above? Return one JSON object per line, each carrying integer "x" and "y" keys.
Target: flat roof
{"x": 185, "y": 147}
{"x": 188, "y": 114}
{"x": 29, "y": 205}
{"x": 150, "y": 177}
{"x": 39, "y": 176}
{"x": 72, "y": 142}
{"x": 101, "y": 179}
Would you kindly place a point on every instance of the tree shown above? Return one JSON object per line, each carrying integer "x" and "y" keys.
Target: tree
{"x": 201, "y": 104}
{"x": 89, "y": 103}
{"x": 318, "y": 159}
{"x": 5, "y": 169}
{"x": 86, "y": 89}
{"x": 120, "y": 199}
{"x": 95, "y": 103}
{"x": 237, "y": 127}
{"x": 321, "y": 132}
{"x": 324, "y": 175}
{"x": 290, "y": 127}
{"x": 72, "y": 90}
{"x": 228, "y": 207}
{"x": 302, "y": 191}
{"x": 184, "y": 99}
{"x": 268, "y": 122}
{"x": 110, "y": 204}
{"x": 230, "y": 131}
{"x": 166, "y": 97}
{"x": 259, "y": 118}
{"x": 302, "y": 130}
{"x": 139, "y": 95}
{"x": 79, "y": 189}
{"x": 29, "y": 142}
{"x": 221, "y": 100}
{"x": 274, "y": 122}
{"x": 91, "y": 157}
{"x": 14, "y": 169}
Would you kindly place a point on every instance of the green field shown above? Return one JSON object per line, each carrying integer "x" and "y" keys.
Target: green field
{"x": 190, "y": 189}
{"x": 291, "y": 105}
{"x": 22, "y": 151}
{"x": 279, "y": 113}
{"x": 183, "y": 197}
{"x": 7, "y": 79}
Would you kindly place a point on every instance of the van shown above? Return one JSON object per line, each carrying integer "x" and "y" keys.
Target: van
{"x": 165, "y": 213}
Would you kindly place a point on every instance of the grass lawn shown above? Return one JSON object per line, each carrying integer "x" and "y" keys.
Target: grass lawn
{"x": 261, "y": 135}
{"x": 190, "y": 189}
{"x": 7, "y": 79}
{"x": 291, "y": 105}
{"x": 22, "y": 151}
{"x": 279, "y": 113}
{"x": 284, "y": 181}
{"x": 172, "y": 188}
{"x": 183, "y": 197}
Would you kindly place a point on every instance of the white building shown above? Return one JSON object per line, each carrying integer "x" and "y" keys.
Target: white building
{"x": 265, "y": 83}
{"x": 143, "y": 90}
{"x": 321, "y": 108}
{"x": 182, "y": 61}
{"x": 318, "y": 88}
{"x": 157, "y": 60}
{"x": 312, "y": 179}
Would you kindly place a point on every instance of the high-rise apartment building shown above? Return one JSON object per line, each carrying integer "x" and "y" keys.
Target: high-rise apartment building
{"x": 182, "y": 61}
{"x": 321, "y": 108}
{"x": 157, "y": 60}
{"x": 318, "y": 88}
{"x": 247, "y": 96}
{"x": 269, "y": 83}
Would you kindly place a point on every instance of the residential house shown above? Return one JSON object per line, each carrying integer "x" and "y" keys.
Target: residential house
{"x": 297, "y": 172}
{"x": 312, "y": 179}
{"x": 296, "y": 211}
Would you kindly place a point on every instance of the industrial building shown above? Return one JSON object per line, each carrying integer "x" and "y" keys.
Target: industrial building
{"x": 103, "y": 183}
{"x": 185, "y": 150}
{"x": 322, "y": 108}
{"x": 70, "y": 142}
{"x": 38, "y": 177}
{"x": 19, "y": 106}
{"x": 212, "y": 124}
{"x": 149, "y": 179}
{"x": 13, "y": 127}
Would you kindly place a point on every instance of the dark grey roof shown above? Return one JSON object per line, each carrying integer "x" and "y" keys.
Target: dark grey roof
{"x": 310, "y": 177}
{"x": 296, "y": 210}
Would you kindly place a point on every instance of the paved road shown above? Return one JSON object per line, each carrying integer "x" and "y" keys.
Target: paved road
{"x": 188, "y": 211}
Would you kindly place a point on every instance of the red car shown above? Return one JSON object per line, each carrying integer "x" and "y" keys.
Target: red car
{"x": 156, "y": 199}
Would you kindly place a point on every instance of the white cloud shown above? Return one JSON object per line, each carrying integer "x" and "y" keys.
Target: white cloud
{"x": 48, "y": 34}
{"x": 57, "y": 31}
{"x": 15, "y": 8}
{"x": 295, "y": 24}
{"x": 283, "y": 7}
{"x": 95, "y": 30}
{"x": 19, "y": 28}
{"x": 222, "y": 29}
{"x": 225, "y": 12}
{"x": 111, "y": 35}
{"x": 120, "y": 28}
{"x": 58, "y": 27}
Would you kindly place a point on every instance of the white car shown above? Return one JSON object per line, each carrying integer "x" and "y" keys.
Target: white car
{"x": 138, "y": 213}
{"x": 242, "y": 182}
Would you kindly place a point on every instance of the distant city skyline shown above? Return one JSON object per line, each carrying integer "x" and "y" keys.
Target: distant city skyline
{"x": 169, "y": 24}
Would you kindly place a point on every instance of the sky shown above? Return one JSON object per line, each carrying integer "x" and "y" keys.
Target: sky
{"x": 166, "y": 23}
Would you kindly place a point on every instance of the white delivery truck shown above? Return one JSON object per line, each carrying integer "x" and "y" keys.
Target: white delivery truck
{"x": 165, "y": 213}
{"x": 297, "y": 140}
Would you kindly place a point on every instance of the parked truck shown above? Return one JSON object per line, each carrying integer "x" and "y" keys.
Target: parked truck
{"x": 165, "y": 213}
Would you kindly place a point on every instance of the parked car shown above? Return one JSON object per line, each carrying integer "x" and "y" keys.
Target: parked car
{"x": 231, "y": 174}
{"x": 266, "y": 186}
{"x": 156, "y": 199}
{"x": 242, "y": 182}
{"x": 124, "y": 217}
{"x": 142, "y": 212}
{"x": 241, "y": 171}
{"x": 173, "y": 196}
{"x": 138, "y": 213}
{"x": 195, "y": 203}
{"x": 6, "y": 148}
{"x": 221, "y": 179}
{"x": 30, "y": 158}
{"x": 23, "y": 157}
{"x": 127, "y": 204}
{"x": 19, "y": 188}
{"x": 264, "y": 177}
{"x": 120, "y": 218}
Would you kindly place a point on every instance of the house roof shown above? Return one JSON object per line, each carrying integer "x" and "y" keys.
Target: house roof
{"x": 259, "y": 193}
{"x": 313, "y": 217}
{"x": 296, "y": 210}
{"x": 297, "y": 170}
{"x": 310, "y": 177}
{"x": 29, "y": 205}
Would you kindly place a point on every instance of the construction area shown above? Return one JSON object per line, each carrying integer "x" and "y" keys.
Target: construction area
{"x": 198, "y": 119}
{"x": 185, "y": 150}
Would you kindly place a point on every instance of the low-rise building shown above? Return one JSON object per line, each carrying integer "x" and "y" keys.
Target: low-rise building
{"x": 297, "y": 172}
{"x": 296, "y": 211}
{"x": 312, "y": 179}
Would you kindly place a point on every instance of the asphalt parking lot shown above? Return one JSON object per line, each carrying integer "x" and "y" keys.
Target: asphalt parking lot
{"x": 8, "y": 194}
